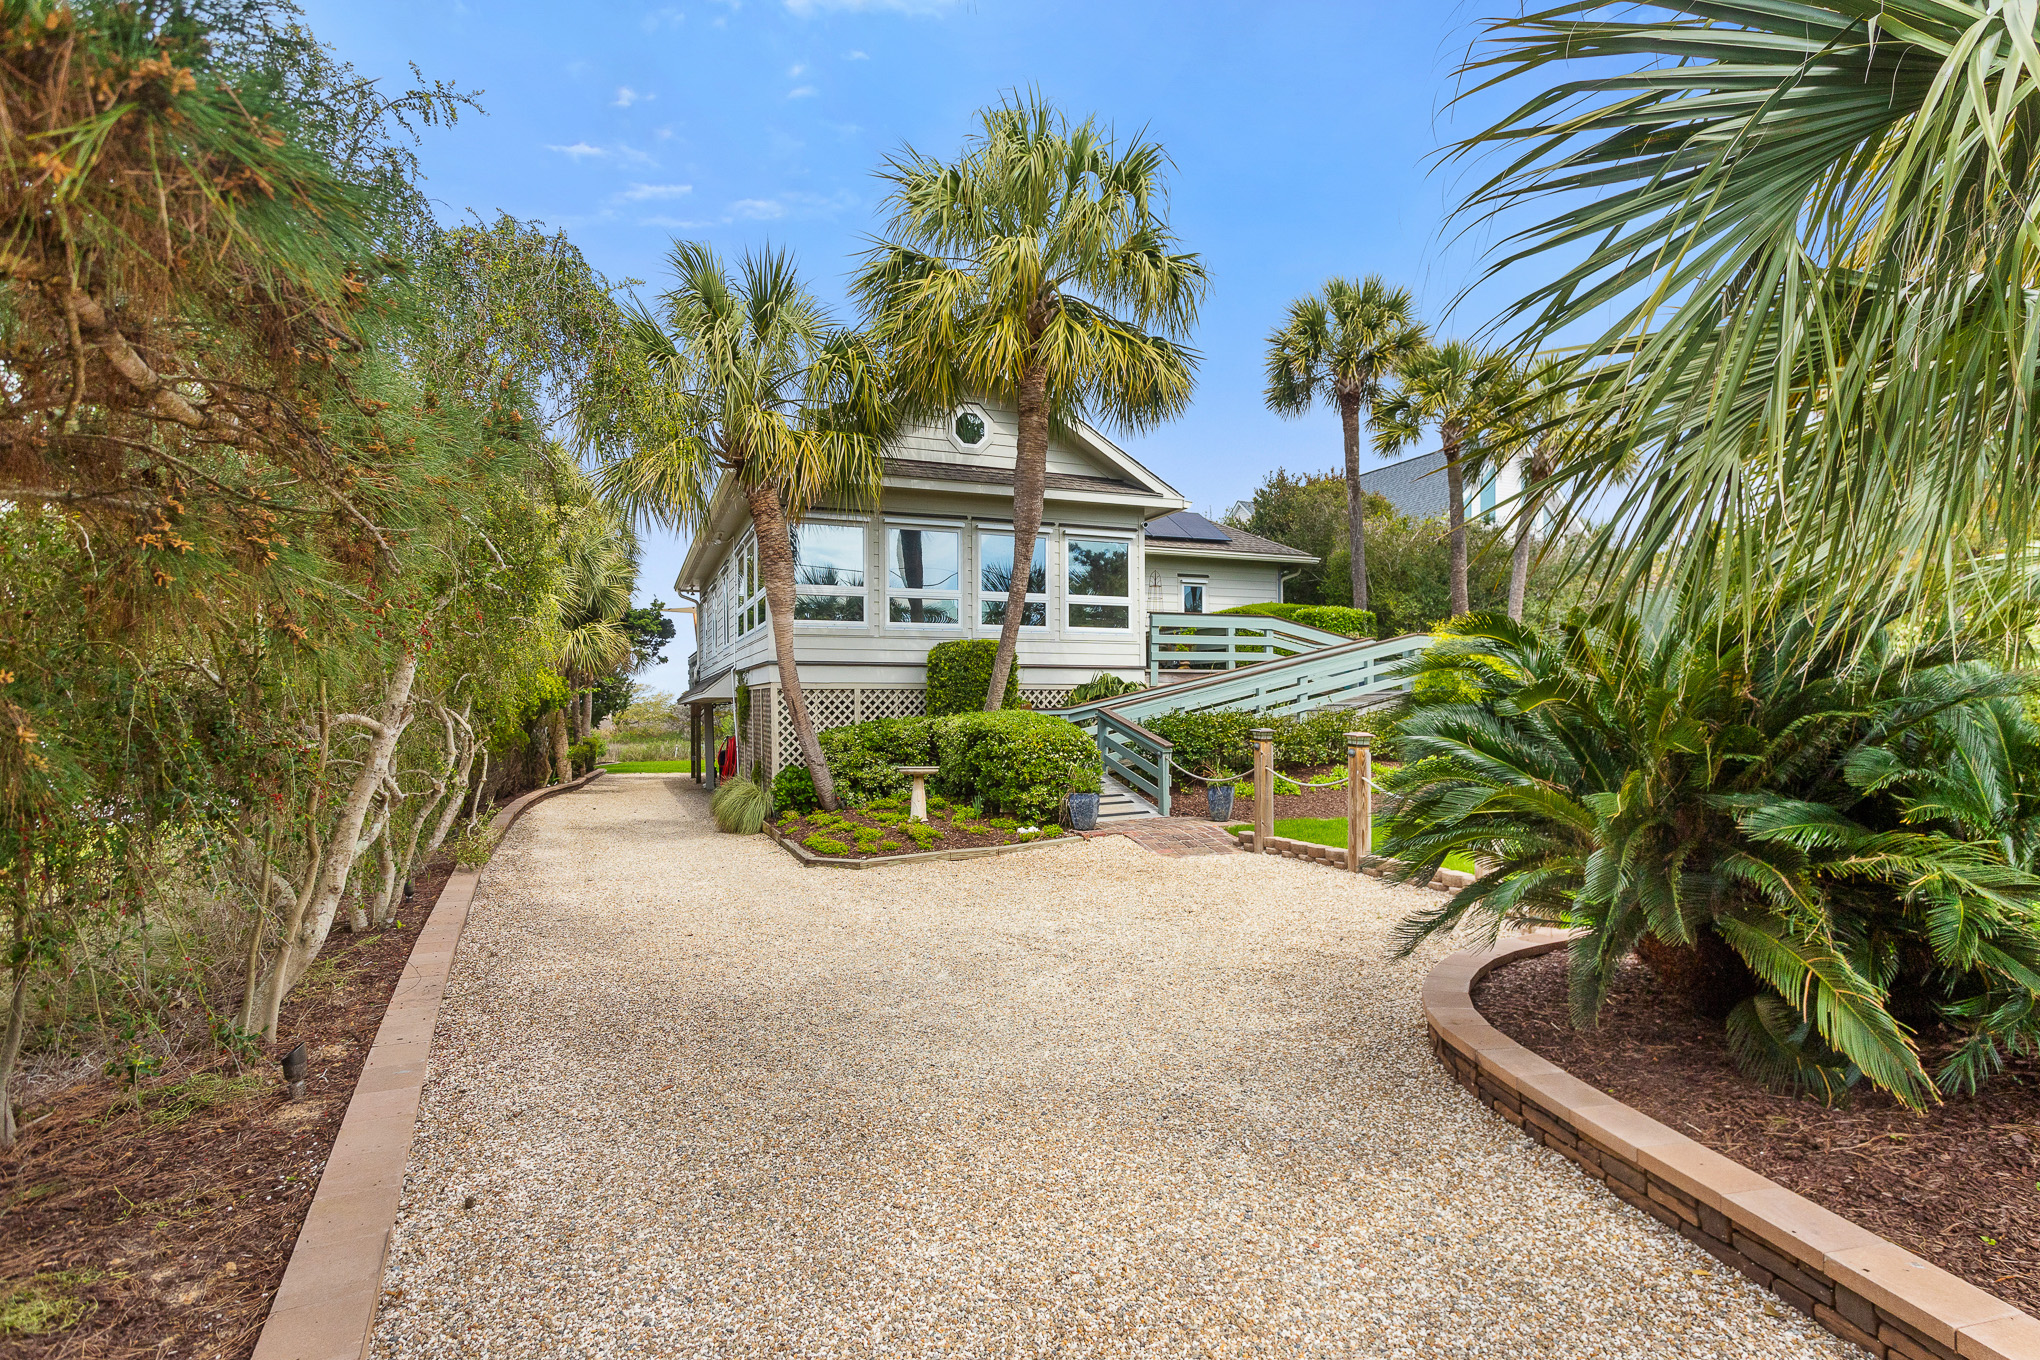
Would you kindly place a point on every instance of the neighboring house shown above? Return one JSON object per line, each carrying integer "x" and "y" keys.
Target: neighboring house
{"x": 1415, "y": 486}
{"x": 931, "y": 561}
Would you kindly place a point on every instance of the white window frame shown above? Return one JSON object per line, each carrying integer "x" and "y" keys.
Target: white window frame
{"x": 862, "y": 592}
{"x": 1043, "y": 539}
{"x": 1071, "y": 598}
{"x": 951, "y": 528}
{"x": 1189, "y": 586}
{"x": 750, "y": 611}
{"x": 956, "y": 440}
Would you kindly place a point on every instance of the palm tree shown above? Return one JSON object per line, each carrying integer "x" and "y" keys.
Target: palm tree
{"x": 1340, "y": 346}
{"x": 1460, "y": 390}
{"x": 599, "y": 567}
{"x": 1810, "y": 224}
{"x": 1036, "y": 270}
{"x": 1537, "y": 409}
{"x": 752, "y": 385}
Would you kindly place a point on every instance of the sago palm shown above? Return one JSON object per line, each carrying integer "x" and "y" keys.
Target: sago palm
{"x": 1810, "y": 223}
{"x": 1038, "y": 270}
{"x": 1684, "y": 790}
{"x": 1461, "y": 392}
{"x": 1340, "y": 346}
{"x": 751, "y": 384}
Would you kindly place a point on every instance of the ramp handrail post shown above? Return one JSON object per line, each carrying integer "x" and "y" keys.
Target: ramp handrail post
{"x": 1264, "y": 789}
{"x": 1359, "y": 798}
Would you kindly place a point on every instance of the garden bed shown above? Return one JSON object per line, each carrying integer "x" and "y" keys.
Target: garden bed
{"x": 166, "y": 1230}
{"x": 882, "y": 831}
{"x": 1956, "y": 1185}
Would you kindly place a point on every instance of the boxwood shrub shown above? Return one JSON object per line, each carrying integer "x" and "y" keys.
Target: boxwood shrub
{"x": 960, "y": 672}
{"x": 1018, "y": 762}
{"x": 1333, "y": 618}
{"x": 1218, "y": 740}
{"x": 1021, "y": 763}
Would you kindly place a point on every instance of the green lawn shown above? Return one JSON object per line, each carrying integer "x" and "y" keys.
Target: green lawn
{"x": 1332, "y": 831}
{"x": 651, "y": 767}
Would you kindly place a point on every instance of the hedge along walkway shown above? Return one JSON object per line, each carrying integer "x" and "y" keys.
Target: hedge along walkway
{"x": 687, "y": 1098}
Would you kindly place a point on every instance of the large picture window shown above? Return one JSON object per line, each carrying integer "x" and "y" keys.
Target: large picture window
{"x": 995, "y": 579}
{"x": 1097, "y": 579}
{"x": 923, "y": 576}
{"x": 828, "y": 573}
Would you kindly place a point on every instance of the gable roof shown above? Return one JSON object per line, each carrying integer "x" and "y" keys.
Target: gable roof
{"x": 1413, "y": 486}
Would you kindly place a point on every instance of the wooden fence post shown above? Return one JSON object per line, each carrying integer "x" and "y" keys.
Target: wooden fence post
{"x": 1359, "y": 798}
{"x": 1264, "y": 790}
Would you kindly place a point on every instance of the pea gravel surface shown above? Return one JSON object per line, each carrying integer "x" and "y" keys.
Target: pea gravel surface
{"x": 687, "y": 1098}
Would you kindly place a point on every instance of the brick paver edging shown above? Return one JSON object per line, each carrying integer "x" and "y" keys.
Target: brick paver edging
{"x": 1444, "y": 880}
{"x": 325, "y": 1307}
{"x": 1858, "y": 1285}
{"x": 810, "y": 860}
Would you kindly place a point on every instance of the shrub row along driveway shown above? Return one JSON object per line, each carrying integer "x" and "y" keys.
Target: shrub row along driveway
{"x": 689, "y": 1099}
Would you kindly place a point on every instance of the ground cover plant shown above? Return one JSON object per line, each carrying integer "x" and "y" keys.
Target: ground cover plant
{"x": 1836, "y": 861}
{"x": 883, "y": 828}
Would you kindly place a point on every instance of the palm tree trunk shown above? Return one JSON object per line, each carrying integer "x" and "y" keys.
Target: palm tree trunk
{"x": 1356, "y": 499}
{"x": 1519, "y": 557}
{"x": 563, "y": 767}
{"x": 1030, "y": 484}
{"x": 775, "y": 571}
{"x": 1455, "y": 520}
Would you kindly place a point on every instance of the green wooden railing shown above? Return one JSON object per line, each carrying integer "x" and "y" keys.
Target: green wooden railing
{"x": 1349, "y": 674}
{"x": 1220, "y": 642}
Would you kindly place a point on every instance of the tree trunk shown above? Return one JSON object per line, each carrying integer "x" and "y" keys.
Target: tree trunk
{"x": 1455, "y": 519}
{"x": 775, "y": 571}
{"x": 10, "y": 1046}
{"x": 1356, "y": 499}
{"x": 563, "y": 765}
{"x": 1030, "y": 483}
{"x": 313, "y": 920}
{"x": 1519, "y": 556}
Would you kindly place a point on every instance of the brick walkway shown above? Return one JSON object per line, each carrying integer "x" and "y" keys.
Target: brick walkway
{"x": 1174, "y": 836}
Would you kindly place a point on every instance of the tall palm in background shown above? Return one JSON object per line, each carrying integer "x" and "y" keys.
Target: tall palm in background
{"x": 745, "y": 380}
{"x": 1810, "y": 221}
{"x": 592, "y": 595}
{"x": 1538, "y": 410}
{"x": 1036, "y": 270}
{"x": 1460, "y": 391}
{"x": 1340, "y": 346}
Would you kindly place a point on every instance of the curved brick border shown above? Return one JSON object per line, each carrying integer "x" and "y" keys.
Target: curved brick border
{"x": 1856, "y": 1284}
{"x": 325, "y": 1307}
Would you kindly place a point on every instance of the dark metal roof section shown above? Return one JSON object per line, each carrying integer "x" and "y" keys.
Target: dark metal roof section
{"x": 1188, "y": 525}
{"x": 1414, "y": 486}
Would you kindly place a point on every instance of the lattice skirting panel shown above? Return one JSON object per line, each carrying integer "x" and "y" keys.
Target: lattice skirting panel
{"x": 840, "y": 706}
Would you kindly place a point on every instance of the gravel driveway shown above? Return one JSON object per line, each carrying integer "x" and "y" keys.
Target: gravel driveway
{"x": 689, "y": 1099}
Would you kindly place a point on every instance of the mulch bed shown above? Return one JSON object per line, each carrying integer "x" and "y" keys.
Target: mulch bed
{"x": 1187, "y": 798}
{"x": 176, "y": 1234}
{"x": 952, "y": 829}
{"x": 1956, "y": 1185}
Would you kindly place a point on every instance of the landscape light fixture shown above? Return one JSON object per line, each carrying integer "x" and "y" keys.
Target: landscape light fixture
{"x": 294, "y": 1064}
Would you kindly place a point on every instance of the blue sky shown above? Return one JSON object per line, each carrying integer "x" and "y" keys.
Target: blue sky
{"x": 1303, "y": 137}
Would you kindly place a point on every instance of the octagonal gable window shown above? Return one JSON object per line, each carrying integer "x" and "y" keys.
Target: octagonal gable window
{"x": 968, "y": 428}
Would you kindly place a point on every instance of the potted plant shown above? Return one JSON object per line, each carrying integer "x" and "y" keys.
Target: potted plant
{"x": 1218, "y": 795}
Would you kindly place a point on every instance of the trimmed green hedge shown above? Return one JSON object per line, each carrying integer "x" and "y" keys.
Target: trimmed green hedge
{"x": 1333, "y": 618}
{"x": 1021, "y": 763}
{"x": 1013, "y": 761}
{"x": 959, "y": 674}
{"x": 1217, "y": 739}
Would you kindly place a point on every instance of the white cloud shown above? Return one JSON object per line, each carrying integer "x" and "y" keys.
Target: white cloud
{"x": 801, "y": 92}
{"x": 667, "y": 17}
{"x": 856, "y": 54}
{"x": 796, "y": 71}
{"x": 663, "y": 134}
{"x": 666, "y": 222}
{"x": 639, "y": 193}
{"x": 581, "y": 151}
{"x": 758, "y": 209}
{"x": 626, "y": 96}
{"x": 620, "y": 153}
